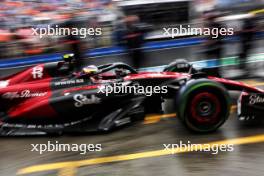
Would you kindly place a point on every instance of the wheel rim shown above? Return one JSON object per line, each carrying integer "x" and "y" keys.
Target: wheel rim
{"x": 205, "y": 108}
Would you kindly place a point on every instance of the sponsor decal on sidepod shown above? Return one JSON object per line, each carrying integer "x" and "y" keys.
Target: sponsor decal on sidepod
{"x": 23, "y": 94}
{"x": 255, "y": 99}
{"x": 81, "y": 100}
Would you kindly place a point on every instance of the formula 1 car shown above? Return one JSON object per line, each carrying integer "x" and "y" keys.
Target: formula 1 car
{"x": 44, "y": 100}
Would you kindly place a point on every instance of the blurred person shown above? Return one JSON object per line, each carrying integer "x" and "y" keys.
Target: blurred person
{"x": 246, "y": 38}
{"x": 118, "y": 23}
{"x": 93, "y": 23}
{"x": 74, "y": 41}
{"x": 134, "y": 37}
{"x": 119, "y": 31}
{"x": 214, "y": 45}
{"x": 29, "y": 43}
{"x": 5, "y": 38}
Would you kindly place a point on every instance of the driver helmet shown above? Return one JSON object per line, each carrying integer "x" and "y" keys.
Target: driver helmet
{"x": 91, "y": 69}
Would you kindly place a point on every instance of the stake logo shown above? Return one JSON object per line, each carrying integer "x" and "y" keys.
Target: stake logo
{"x": 255, "y": 99}
{"x": 81, "y": 100}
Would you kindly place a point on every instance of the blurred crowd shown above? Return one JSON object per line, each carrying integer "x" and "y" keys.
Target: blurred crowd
{"x": 246, "y": 31}
{"x": 17, "y": 18}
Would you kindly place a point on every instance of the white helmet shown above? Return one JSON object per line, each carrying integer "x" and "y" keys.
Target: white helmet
{"x": 91, "y": 69}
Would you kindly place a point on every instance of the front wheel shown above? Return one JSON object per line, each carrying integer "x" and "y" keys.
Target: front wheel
{"x": 203, "y": 105}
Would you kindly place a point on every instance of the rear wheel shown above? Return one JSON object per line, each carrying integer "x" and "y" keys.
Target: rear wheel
{"x": 204, "y": 105}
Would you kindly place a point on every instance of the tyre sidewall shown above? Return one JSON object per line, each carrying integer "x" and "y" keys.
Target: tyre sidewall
{"x": 188, "y": 91}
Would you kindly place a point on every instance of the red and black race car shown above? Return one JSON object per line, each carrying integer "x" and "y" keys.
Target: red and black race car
{"x": 46, "y": 99}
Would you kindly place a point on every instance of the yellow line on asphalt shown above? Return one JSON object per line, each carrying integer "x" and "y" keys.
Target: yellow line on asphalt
{"x": 156, "y": 118}
{"x": 233, "y": 109}
{"x": 258, "y": 84}
{"x": 249, "y": 82}
{"x": 257, "y": 11}
{"x": 253, "y": 83}
{"x": 150, "y": 119}
{"x": 157, "y": 153}
{"x": 69, "y": 171}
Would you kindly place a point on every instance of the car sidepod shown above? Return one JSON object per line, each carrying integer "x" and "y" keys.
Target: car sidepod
{"x": 250, "y": 106}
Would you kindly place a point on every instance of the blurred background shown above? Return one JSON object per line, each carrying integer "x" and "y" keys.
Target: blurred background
{"x": 18, "y": 17}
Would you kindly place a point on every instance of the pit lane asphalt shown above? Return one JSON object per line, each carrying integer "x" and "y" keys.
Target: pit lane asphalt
{"x": 145, "y": 140}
